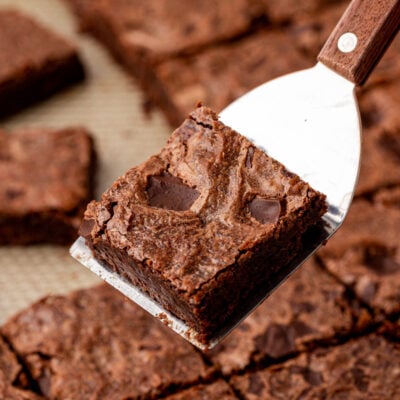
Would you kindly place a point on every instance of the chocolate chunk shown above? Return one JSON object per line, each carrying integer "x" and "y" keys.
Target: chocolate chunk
{"x": 86, "y": 227}
{"x": 168, "y": 192}
{"x": 276, "y": 341}
{"x": 380, "y": 260}
{"x": 266, "y": 211}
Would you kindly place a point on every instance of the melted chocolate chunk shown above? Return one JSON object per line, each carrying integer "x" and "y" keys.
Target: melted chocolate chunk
{"x": 266, "y": 211}
{"x": 168, "y": 192}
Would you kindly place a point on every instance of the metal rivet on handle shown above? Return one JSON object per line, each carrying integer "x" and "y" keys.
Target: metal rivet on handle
{"x": 347, "y": 42}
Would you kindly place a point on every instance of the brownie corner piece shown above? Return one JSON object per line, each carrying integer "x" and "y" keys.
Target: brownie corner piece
{"x": 34, "y": 62}
{"x": 46, "y": 181}
{"x": 204, "y": 225}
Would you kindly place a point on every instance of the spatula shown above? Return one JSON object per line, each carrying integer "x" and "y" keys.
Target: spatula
{"x": 307, "y": 120}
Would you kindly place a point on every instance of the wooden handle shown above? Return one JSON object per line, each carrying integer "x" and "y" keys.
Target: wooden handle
{"x": 361, "y": 37}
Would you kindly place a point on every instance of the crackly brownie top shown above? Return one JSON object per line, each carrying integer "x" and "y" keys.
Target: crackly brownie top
{"x": 208, "y": 76}
{"x": 26, "y": 46}
{"x": 10, "y": 369}
{"x": 192, "y": 210}
{"x": 365, "y": 253}
{"x": 156, "y": 29}
{"x": 365, "y": 368}
{"x": 96, "y": 344}
{"x": 44, "y": 170}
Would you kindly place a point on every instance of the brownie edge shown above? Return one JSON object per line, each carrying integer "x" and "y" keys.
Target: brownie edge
{"x": 204, "y": 225}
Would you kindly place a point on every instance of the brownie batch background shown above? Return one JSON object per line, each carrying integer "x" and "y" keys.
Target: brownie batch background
{"x": 331, "y": 331}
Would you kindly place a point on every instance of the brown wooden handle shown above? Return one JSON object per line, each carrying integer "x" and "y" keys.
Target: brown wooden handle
{"x": 361, "y": 37}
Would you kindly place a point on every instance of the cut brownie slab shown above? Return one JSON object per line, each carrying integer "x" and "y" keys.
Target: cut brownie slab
{"x": 152, "y": 41}
{"x": 34, "y": 62}
{"x": 204, "y": 226}
{"x": 218, "y": 390}
{"x": 221, "y": 74}
{"x": 10, "y": 374}
{"x": 148, "y": 32}
{"x": 365, "y": 255}
{"x": 46, "y": 181}
{"x": 365, "y": 368}
{"x": 95, "y": 344}
{"x": 309, "y": 308}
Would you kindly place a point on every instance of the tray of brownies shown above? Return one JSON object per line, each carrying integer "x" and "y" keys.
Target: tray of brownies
{"x": 91, "y": 90}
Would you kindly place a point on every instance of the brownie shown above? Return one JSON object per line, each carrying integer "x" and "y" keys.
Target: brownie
{"x": 380, "y": 157}
{"x": 204, "y": 226}
{"x": 365, "y": 368}
{"x": 180, "y": 62}
{"x": 34, "y": 62}
{"x": 309, "y": 308}
{"x": 96, "y": 344}
{"x": 46, "y": 181}
{"x": 365, "y": 255}
{"x": 218, "y": 390}
{"x": 219, "y": 75}
{"x": 10, "y": 374}
{"x": 141, "y": 34}
{"x": 379, "y": 106}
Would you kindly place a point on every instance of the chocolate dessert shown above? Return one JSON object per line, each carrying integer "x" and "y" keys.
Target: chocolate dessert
{"x": 365, "y": 368}
{"x": 204, "y": 227}
{"x": 46, "y": 181}
{"x": 34, "y": 62}
{"x": 96, "y": 344}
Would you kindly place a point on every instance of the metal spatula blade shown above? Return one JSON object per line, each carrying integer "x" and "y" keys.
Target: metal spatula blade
{"x": 309, "y": 121}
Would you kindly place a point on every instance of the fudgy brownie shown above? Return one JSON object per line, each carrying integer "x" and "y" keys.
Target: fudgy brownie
{"x": 218, "y": 390}
{"x": 153, "y": 44}
{"x": 365, "y": 368}
{"x": 96, "y": 344}
{"x": 221, "y": 74}
{"x": 205, "y": 225}
{"x": 310, "y": 307}
{"x": 148, "y": 32}
{"x": 46, "y": 181}
{"x": 34, "y": 62}
{"x": 380, "y": 160}
{"x": 10, "y": 374}
{"x": 365, "y": 255}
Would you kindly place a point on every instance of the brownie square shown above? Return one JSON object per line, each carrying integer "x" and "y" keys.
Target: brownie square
{"x": 219, "y": 75}
{"x": 46, "y": 181}
{"x": 34, "y": 62}
{"x": 205, "y": 225}
{"x": 96, "y": 344}
{"x": 365, "y": 255}
{"x": 365, "y": 368}
{"x": 141, "y": 34}
{"x": 310, "y": 308}
{"x": 218, "y": 390}
{"x": 10, "y": 373}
